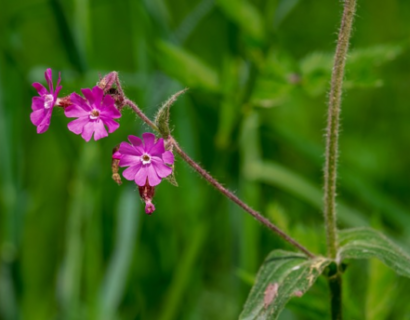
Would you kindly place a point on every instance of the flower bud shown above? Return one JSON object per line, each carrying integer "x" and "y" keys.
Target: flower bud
{"x": 115, "y": 165}
{"x": 147, "y": 193}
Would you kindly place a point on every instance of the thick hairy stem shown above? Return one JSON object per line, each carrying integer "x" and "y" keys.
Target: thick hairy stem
{"x": 332, "y": 133}
{"x": 332, "y": 149}
{"x": 239, "y": 202}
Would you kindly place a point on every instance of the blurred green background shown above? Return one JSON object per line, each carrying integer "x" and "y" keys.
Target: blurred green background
{"x": 74, "y": 245}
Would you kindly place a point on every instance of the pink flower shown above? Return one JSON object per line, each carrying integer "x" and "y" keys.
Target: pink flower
{"x": 95, "y": 112}
{"x": 43, "y": 105}
{"x": 146, "y": 161}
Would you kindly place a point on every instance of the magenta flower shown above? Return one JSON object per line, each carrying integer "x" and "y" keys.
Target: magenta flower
{"x": 146, "y": 161}
{"x": 43, "y": 105}
{"x": 95, "y": 112}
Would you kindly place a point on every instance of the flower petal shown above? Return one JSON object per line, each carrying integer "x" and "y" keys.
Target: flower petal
{"x": 126, "y": 148}
{"x": 161, "y": 169}
{"x": 153, "y": 178}
{"x": 79, "y": 101}
{"x": 110, "y": 123}
{"x": 37, "y": 103}
{"x": 129, "y": 160}
{"x": 77, "y": 125}
{"x": 49, "y": 78}
{"x": 149, "y": 140}
{"x": 38, "y": 116}
{"x": 108, "y": 107}
{"x": 117, "y": 155}
{"x": 58, "y": 87}
{"x": 137, "y": 143}
{"x": 45, "y": 123}
{"x": 88, "y": 131}
{"x": 131, "y": 172}
{"x": 98, "y": 95}
{"x": 93, "y": 96}
{"x": 99, "y": 130}
{"x": 88, "y": 94}
{"x": 158, "y": 148}
{"x": 168, "y": 157}
{"x": 40, "y": 89}
{"x": 75, "y": 111}
{"x": 141, "y": 176}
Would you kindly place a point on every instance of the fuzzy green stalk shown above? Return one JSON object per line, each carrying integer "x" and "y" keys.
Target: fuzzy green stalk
{"x": 332, "y": 149}
{"x": 332, "y": 132}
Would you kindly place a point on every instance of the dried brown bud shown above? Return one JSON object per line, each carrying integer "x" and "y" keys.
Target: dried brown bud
{"x": 115, "y": 165}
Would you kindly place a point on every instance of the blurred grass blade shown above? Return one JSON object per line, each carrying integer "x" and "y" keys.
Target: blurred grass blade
{"x": 191, "y": 21}
{"x": 79, "y": 208}
{"x": 74, "y": 53}
{"x": 114, "y": 282}
{"x": 366, "y": 243}
{"x": 353, "y": 181}
{"x": 246, "y": 16}
{"x": 277, "y": 175}
{"x": 180, "y": 282}
{"x": 282, "y": 11}
{"x": 282, "y": 276}
{"x": 185, "y": 67}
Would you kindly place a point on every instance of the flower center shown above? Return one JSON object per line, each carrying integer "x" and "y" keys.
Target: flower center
{"x": 146, "y": 159}
{"x": 48, "y": 101}
{"x": 94, "y": 114}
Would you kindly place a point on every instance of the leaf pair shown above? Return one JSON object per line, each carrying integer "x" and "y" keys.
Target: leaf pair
{"x": 285, "y": 274}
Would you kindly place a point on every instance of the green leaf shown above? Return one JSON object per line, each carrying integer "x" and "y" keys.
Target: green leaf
{"x": 246, "y": 16}
{"x": 361, "y": 67}
{"x": 366, "y": 243}
{"x": 186, "y": 68}
{"x": 275, "y": 81}
{"x": 282, "y": 276}
{"x": 162, "y": 117}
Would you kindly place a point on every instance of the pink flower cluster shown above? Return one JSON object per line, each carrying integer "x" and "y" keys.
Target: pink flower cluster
{"x": 147, "y": 160}
{"x": 94, "y": 112}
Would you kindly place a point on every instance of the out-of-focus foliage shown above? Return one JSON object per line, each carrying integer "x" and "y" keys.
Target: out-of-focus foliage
{"x": 74, "y": 245}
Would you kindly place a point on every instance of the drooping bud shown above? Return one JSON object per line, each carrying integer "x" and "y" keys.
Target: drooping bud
{"x": 115, "y": 165}
{"x": 147, "y": 193}
{"x": 107, "y": 82}
{"x": 109, "y": 85}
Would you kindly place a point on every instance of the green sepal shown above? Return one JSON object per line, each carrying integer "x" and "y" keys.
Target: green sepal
{"x": 162, "y": 117}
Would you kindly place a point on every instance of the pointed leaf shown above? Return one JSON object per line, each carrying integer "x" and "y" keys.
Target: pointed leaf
{"x": 162, "y": 117}
{"x": 366, "y": 243}
{"x": 282, "y": 276}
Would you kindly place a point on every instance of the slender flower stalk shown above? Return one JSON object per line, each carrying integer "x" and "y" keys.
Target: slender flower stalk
{"x": 170, "y": 140}
{"x": 332, "y": 131}
{"x": 239, "y": 202}
{"x": 332, "y": 149}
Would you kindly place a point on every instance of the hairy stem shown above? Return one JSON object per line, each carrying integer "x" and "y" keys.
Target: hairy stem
{"x": 332, "y": 149}
{"x": 239, "y": 202}
{"x": 209, "y": 178}
{"x": 332, "y": 132}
